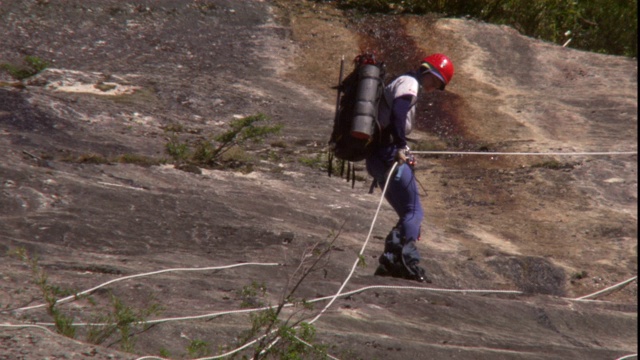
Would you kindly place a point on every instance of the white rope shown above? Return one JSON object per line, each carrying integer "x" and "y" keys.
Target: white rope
{"x": 171, "y": 319}
{"x": 628, "y": 357}
{"x": 311, "y": 346}
{"x": 618, "y": 285}
{"x": 464, "y": 291}
{"x": 8, "y": 325}
{"x": 332, "y": 297}
{"x": 527, "y": 153}
{"x": 74, "y": 296}
{"x": 355, "y": 264}
{"x": 344, "y": 294}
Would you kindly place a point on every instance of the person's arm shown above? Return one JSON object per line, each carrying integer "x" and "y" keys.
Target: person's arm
{"x": 399, "y": 111}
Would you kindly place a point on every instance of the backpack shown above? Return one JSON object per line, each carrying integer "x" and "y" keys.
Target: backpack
{"x": 355, "y": 126}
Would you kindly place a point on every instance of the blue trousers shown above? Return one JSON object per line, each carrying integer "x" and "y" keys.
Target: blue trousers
{"x": 402, "y": 194}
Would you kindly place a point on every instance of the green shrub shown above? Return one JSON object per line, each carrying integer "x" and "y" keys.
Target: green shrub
{"x": 244, "y": 130}
{"x": 32, "y": 66}
{"x": 226, "y": 147}
{"x": 121, "y": 320}
{"x": 319, "y": 161}
{"x": 553, "y": 165}
{"x": 50, "y": 293}
{"x": 90, "y": 159}
{"x": 198, "y": 348}
{"x": 176, "y": 149}
{"x": 137, "y": 160}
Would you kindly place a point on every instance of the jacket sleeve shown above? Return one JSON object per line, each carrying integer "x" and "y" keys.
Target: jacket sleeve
{"x": 399, "y": 111}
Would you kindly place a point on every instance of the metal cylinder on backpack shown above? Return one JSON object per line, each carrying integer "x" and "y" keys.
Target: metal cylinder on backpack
{"x": 366, "y": 109}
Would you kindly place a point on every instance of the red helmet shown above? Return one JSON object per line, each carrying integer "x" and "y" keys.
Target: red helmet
{"x": 441, "y": 66}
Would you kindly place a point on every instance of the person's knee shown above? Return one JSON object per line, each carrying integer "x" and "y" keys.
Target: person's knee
{"x": 411, "y": 227}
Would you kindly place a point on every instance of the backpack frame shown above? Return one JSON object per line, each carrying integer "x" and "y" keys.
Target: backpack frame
{"x": 355, "y": 125}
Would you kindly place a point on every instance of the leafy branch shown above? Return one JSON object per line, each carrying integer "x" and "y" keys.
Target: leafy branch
{"x": 288, "y": 338}
{"x": 209, "y": 152}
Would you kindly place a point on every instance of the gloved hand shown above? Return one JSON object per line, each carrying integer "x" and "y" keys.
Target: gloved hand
{"x": 405, "y": 156}
{"x": 411, "y": 159}
{"x": 401, "y": 155}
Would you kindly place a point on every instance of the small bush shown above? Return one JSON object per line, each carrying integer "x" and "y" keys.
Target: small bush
{"x": 204, "y": 153}
{"x": 227, "y": 148}
{"x": 553, "y": 165}
{"x": 32, "y": 66}
{"x": 91, "y": 159}
{"x": 176, "y": 128}
{"x": 319, "y": 161}
{"x": 176, "y": 149}
{"x": 579, "y": 275}
{"x": 97, "y": 159}
{"x": 198, "y": 348}
{"x": 137, "y": 160}
{"x": 121, "y": 320}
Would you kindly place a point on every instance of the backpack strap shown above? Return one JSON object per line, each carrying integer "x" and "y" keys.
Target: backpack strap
{"x": 374, "y": 184}
{"x": 418, "y": 78}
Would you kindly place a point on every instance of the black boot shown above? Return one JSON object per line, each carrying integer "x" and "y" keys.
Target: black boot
{"x": 418, "y": 274}
{"x": 388, "y": 268}
{"x": 382, "y": 271}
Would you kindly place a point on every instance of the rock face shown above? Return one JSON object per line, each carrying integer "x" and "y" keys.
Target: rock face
{"x": 90, "y": 194}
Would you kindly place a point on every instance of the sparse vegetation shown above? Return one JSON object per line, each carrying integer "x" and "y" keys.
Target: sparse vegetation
{"x": 205, "y": 6}
{"x": 32, "y": 66}
{"x": 579, "y": 275}
{"x": 17, "y": 84}
{"x": 198, "y": 348}
{"x": 173, "y": 127}
{"x": 319, "y": 161}
{"x": 179, "y": 151}
{"x": 225, "y": 148}
{"x": 98, "y": 159}
{"x": 283, "y": 339}
{"x": 50, "y": 293}
{"x": 243, "y": 130}
{"x": 137, "y": 160}
{"x": 291, "y": 338}
{"x": 362, "y": 261}
{"x": 164, "y": 353}
{"x": 602, "y": 26}
{"x": 279, "y": 144}
{"x": 104, "y": 87}
{"x": 91, "y": 159}
{"x": 553, "y": 165}
{"x": 121, "y": 320}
